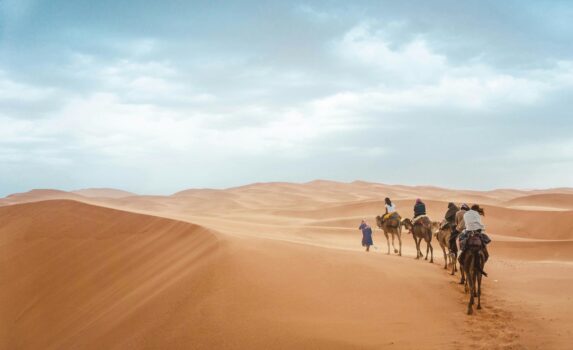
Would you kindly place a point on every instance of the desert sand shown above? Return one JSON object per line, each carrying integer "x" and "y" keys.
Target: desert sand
{"x": 275, "y": 266}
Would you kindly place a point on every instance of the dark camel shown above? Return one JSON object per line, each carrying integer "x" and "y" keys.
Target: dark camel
{"x": 422, "y": 229}
{"x": 473, "y": 264}
{"x": 391, "y": 226}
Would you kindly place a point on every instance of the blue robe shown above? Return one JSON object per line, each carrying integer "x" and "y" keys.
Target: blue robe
{"x": 366, "y": 235}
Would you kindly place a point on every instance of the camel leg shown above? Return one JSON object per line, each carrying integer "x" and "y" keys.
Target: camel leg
{"x": 466, "y": 281}
{"x": 472, "y": 289}
{"x": 387, "y": 241}
{"x": 400, "y": 241}
{"x": 479, "y": 290}
{"x": 420, "y": 247}
{"x": 417, "y": 248}
{"x": 393, "y": 247}
{"x": 431, "y": 253}
{"x": 427, "y": 249}
{"x": 445, "y": 257}
{"x": 479, "y": 286}
{"x": 470, "y": 280}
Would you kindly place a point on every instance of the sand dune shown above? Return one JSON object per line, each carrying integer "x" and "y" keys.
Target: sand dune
{"x": 79, "y": 276}
{"x": 103, "y": 193}
{"x": 549, "y": 201}
{"x": 38, "y": 195}
{"x": 273, "y": 265}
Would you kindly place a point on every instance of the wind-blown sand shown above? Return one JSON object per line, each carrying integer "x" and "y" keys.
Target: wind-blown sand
{"x": 274, "y": 265}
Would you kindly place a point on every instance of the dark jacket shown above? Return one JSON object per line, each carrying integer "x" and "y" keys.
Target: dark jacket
{"x": 451, "y": 213}
{"x": 419, "y": 209}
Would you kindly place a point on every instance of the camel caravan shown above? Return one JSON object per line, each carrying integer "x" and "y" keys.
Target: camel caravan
{"x": 461, "y": 227}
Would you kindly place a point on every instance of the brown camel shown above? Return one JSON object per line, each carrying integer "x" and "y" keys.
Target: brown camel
{"x": 443, "y": 237}
{"x": 422, "y": 229}
{"x": 473, "y": 264}
{"x": 391, "y": 226}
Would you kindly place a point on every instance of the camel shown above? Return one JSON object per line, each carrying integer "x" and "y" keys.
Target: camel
{"x": 391, "y": 226}
{"x": 422, "y": 229}
{"x": 443, "y": 236}
{"x": 473, "y": 264}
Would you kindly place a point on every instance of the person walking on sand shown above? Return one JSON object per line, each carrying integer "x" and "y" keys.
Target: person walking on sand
{"x": 366, "y": 235}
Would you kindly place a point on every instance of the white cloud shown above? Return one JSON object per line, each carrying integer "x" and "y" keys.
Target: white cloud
{"x": 412, "y": 76}
{"x": 410, "y": 62}
{"x": 11, "y": 90}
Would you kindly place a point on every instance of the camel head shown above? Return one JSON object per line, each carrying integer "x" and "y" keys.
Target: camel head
{"x": 407, "y": 223}
{"x": 436, "y": 228}
{"x": 379, "y": 221}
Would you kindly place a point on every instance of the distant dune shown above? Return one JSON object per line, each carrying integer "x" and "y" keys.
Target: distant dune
{"x": 549, "y": 201}
{"x": 103, "y": 193}
{"x": 38, "y": 195}
{"x": 274, "y": 266}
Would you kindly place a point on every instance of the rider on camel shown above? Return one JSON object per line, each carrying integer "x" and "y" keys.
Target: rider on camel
{"x": 419, "y": 210}
{"x": 390, "y": 209}
{"x": 474, "y": 226}
{"x": 458, "y": 226}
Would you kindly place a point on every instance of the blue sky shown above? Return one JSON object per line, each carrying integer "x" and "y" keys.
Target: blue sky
{"x": 155, "y": 97}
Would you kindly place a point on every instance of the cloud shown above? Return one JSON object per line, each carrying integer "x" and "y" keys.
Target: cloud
{"x": 14, "y": 91}
{"x": 413, "y": 76}
{"x": 409, "y": 62}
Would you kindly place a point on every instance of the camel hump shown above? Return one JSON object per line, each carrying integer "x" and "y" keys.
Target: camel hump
{"x": 424, "y": 220}
{"x": 444, "y": 224}
{"x": 475, "y": 241}
{"x": 396, "y": 216}
{"x": 393, "y": 222}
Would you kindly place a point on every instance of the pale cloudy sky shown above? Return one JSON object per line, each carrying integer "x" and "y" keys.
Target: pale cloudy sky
{"x": 158, "y": 96}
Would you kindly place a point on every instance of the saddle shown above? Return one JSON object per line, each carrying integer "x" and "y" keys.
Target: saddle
{"x": 393, "y": 219}
{"x": 389, "y": 216}
{"x": 444, "y": 224}
{"x": 475, "y": 240}
{"x": 423, "y": 220}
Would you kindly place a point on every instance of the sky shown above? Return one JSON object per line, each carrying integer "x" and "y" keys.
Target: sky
{"x": 159, "y": 96}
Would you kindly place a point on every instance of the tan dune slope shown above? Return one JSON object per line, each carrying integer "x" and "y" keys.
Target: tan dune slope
{"x": 79, "y": 276}
{"x": 550, "y": 201}
{"x": 538, "y": 224}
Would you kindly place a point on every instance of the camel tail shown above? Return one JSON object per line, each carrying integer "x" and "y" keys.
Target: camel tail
{"x": 477, "y": 262}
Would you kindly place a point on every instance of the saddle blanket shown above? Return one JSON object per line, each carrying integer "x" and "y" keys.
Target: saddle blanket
{"x": 418, "y": 218}
{"x": 393, "y": 215}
